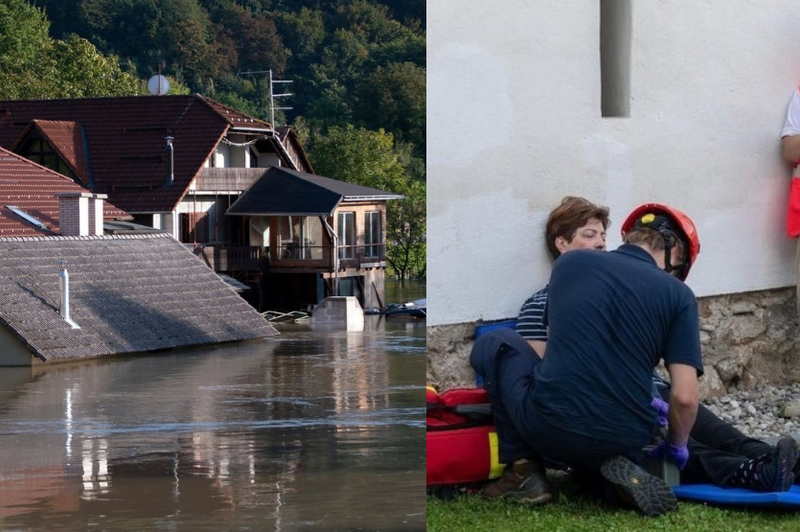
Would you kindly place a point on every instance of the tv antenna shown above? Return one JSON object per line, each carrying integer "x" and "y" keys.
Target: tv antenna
{"x": 272, "y": 94}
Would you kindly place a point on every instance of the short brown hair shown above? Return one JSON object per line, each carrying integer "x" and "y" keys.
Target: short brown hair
{"x": 644, "y": 236}
{"x": 565, "y": 220}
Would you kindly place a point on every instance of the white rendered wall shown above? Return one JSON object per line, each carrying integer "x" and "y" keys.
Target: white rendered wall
{"x": 514, "y": 124}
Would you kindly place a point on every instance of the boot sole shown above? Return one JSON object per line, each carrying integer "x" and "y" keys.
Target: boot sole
{"x": 650, "y": 495}
{"x": 787, "y": 457}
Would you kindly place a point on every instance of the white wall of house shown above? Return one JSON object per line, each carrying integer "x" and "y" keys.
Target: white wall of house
{"x": 221, "y": 158}
{"x": 12, "y": 351}
{"x": 238, "y": 155}
{"x": 515, "y": 123}
{"x": 166, "y": 221}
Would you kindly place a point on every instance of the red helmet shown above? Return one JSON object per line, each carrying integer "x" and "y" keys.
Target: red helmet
{"x": 665, "y": 218}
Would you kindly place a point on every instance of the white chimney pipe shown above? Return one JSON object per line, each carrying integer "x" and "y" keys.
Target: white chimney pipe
{"x": 170, "y": 162}
{"x": 63, "y": 282}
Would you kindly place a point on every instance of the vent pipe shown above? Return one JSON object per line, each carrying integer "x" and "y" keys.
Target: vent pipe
{"x": 170, "y": 162}
{"x": 63, "y": 281}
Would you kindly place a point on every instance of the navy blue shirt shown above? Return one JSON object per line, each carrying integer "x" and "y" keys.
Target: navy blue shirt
{"x": 612, "y": 317}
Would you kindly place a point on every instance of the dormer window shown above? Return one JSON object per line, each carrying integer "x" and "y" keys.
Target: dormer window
{"x": 40, "y": 151}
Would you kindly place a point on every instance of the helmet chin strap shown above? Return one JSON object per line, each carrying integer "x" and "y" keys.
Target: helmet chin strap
{"x": 669, "y": 243}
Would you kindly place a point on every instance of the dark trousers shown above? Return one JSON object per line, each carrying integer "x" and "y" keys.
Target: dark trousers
{"x": 507, "y": 364}
{"x": 716, "y": 448}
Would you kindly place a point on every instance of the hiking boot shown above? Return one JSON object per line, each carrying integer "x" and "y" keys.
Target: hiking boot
{"x": 778, "y": 473}
{"x": 647, "y": 493}
{"x": 523, "y": 482}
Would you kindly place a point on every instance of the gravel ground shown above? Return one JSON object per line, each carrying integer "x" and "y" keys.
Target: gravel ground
{"x": 756, "y": 411}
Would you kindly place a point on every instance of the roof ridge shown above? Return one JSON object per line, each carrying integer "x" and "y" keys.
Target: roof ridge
{"x": 56, "y": 238}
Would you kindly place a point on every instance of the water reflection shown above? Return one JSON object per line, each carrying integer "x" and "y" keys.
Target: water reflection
{"x": 310, "y": 431}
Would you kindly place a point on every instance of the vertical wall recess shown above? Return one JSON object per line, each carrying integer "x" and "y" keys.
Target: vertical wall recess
{"x": 615, "y": 57}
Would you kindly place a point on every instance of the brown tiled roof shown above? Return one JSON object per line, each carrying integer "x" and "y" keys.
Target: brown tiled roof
{"x": 67, "y": 138}
{"x": 129, "y": 294}
{"x": 32, "y": 188}
{"x": 126, "y": 140}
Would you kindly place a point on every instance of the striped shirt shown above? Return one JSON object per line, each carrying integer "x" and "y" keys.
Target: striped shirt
{"x": 530, "y": 324}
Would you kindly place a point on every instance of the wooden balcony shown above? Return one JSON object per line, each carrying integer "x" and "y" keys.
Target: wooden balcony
{"x": 289, "y": 257}
{"x": 230, "y": 258}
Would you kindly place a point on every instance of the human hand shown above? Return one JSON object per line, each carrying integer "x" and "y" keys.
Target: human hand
{"x": 677, "y": 453}
{"x": 662, "y": 411}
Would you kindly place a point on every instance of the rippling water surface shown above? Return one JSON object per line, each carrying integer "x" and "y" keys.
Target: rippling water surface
{"x": 312, "y": 431}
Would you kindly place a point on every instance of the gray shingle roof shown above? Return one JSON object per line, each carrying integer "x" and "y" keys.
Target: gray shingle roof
{"x": 128, "y": 294}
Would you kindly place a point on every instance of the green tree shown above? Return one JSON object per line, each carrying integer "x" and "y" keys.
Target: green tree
{"x": 32, "y": 65}
{"x": 393, "y": 97}
{"x": 359, "y": 156}
{"x": 405, "y": 232}
{"x": 371, "y": 158}
{"x": 78, "y": 70}
{"x": 257, "y": 42}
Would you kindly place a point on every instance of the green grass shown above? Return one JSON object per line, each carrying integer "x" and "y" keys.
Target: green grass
{"x": 573, "y": 511}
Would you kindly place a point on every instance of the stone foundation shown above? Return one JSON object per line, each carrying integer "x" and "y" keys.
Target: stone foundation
{"x": 749, "y": 339}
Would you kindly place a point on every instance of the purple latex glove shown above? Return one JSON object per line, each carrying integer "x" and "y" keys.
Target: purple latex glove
{"x": 679, "y": 454}
{"x": 662, "y": 411}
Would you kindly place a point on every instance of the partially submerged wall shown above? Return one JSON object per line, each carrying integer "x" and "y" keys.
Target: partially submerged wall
{"x": 748, "y": 339}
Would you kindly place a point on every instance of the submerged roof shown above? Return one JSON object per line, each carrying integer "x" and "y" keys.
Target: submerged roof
{"x": 119, "y": 143}
{"x": 32, "y": 188}
{"x": 129, "y": 294}
{"x": 284, "y": 192}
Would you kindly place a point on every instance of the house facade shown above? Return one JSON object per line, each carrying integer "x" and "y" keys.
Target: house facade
{"x": 322, "y": 237}
{"x": 178, "y": 163}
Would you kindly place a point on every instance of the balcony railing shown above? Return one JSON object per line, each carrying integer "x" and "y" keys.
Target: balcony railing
{"x": 363, "y": 252}
{"x": 252, "y": 258}
{"x": 231, "y": 258}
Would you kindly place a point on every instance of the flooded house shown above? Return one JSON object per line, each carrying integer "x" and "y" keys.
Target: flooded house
{"x": 182, "y": 163}
{"x": 69, "y": 292}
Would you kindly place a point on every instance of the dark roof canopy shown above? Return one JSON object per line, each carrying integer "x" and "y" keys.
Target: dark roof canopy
{"x": 285, "y": 192}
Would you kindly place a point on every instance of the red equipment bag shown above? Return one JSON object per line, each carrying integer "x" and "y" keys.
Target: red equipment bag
{"x": 462, "y": 445}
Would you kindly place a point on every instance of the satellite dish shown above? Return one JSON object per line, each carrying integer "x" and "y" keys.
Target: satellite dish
{"x": 158, "y": 85}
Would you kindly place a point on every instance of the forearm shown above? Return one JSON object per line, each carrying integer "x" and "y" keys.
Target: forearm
{"x": 683, "y": 402}
{"x": 790, "y": 149}
{"x": 681, "y": 421}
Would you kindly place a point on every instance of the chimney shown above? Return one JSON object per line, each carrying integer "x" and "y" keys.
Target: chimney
{"x": 80, "y": 213}
{"x": 63, "y": 283}
{"x": 170, "y": 162}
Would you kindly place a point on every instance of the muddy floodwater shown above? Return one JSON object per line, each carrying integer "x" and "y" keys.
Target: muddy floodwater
{"x": 312, "y": 431}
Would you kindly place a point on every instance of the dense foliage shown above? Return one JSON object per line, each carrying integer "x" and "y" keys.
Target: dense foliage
{"x": 359, "y": 62}
{"x": 357, "y": 72}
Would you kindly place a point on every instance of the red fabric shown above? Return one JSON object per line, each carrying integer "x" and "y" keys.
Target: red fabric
{"x": 459, "y": 456}
{"x": 793, "y": 213}
{"x": 460, "y": 450}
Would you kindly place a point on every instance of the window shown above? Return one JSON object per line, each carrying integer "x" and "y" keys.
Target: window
{"x": 300, "y": 238}
{"x": 372, "y": 235}
{"x": 40, "y": 151}
{"x": 615, "y": 57}
{"x": 346, "y": 222}
{"x": 194, "y": 227}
